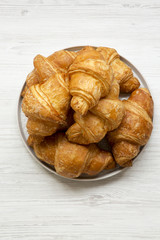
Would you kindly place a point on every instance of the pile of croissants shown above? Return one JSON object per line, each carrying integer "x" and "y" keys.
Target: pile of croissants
{"x": 71, "y": 100}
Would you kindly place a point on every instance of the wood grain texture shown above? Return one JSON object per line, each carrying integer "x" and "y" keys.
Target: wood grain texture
{"x": 34, "y": 204}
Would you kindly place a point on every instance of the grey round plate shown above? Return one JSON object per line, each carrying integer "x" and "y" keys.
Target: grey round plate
{"x": 22, "y": 127}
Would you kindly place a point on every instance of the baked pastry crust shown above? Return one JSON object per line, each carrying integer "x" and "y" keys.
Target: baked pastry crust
{"x": 135, "y": 128}
{"x": 122, "y": 73}
{"x": 105, "y": 116}
{"x": 46, "y": 105}
{"x": 46, "y": 67}
{"x": 70, "y": 159}
{"x": 90, "y": 79}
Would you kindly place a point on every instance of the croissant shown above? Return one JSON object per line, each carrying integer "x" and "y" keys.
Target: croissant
{"x": 34, "y": 139}
{"x": 38, "y": 128}
{"x": 105, "y": 116}
{"x": 135, "y": 128}
{"x": 90, "y": 79}
{"x": 45, "y": 67}
{"x": 70, "y": 159}
{"x": 46, "y": 105}
{"x": 122, "y": 72}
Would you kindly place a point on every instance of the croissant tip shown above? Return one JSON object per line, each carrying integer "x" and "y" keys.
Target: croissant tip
{"x": 79, "y": 105}
{"x": 30, "y": 141}
{"x": 72, "y": 134}
{"x": 111, "y": 165}
{"x": 127, "y": 164}
{"x": 145, "y": 90}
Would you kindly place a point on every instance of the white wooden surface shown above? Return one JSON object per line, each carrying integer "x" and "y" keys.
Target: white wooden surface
{"x": 34, "y": 204}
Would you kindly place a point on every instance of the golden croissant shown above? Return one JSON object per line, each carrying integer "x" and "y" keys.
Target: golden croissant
{"x": 45, "y": 67}
{"x": 122, "y": 73}
{"x": 105, "y": 116}
{"x": 70, "y": 159}
{"x": 46, "y": 105}
{"x": 90, "y": 79}
{"x": 135, "y": 128}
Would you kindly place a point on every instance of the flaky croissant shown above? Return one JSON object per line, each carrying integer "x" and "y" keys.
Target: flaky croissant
{"x": 45, "y": 67}
{"x": 90, "y": 79}
{"x": 38, "y": 128}
{"x": 122, "y": 72}
{"x": 46, "y": 105}
{"x": 105, "y": 116}
{"x": 70, "y": 159}
{"x": 135, "y": 129}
